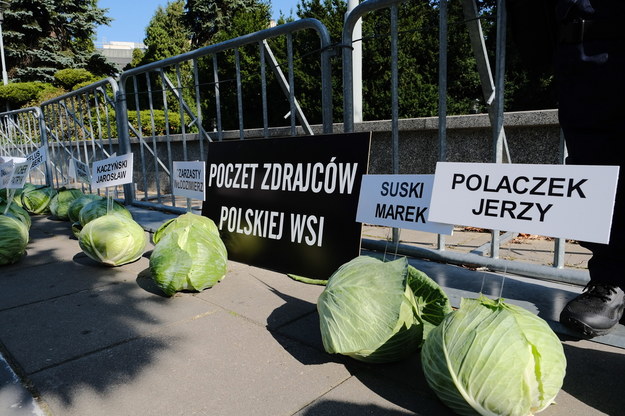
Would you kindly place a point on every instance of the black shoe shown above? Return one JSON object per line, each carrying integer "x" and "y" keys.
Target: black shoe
{"x": 596, "y": 311}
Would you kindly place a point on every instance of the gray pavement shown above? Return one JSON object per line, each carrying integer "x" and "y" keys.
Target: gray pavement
{"x": 83, "y": 339}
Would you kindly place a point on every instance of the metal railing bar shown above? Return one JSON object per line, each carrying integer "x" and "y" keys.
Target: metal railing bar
{"x": 263, "y": 87}
{"x": 217, "y": 98}
{"x": 442, "y": 93}
{"x": 198, "y": 109}
{"x": 153, "y": 127}
{"x": 237, "y": 62}
{"x": 139, "y": 132}
{"x": 284, "y": 84}
{"x": 178, "y": 94}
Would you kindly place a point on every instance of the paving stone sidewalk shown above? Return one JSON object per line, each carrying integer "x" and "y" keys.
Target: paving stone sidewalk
{"x": 84, "y": 339}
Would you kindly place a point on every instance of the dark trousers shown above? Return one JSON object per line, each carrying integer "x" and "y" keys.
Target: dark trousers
{"x": 591, "y": 85}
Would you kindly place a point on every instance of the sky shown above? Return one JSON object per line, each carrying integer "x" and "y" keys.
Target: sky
{"x": 131, "y": 17}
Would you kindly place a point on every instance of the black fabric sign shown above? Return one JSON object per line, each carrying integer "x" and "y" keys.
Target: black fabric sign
{"x": 288, "y": 204}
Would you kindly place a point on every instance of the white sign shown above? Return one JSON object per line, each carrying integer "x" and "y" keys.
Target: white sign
{"x": 567, "y": 201}
{"x": 14, "y": 159}
{"x": 112, "y": 171}
{"x": 37, "y": 157}
{"x": 400, "y": 201}
{"x": 20, "y": 173}
{"x": 79, "y": 171}
{"x": 6, "y": 172}
{"x": 188, "y": 180}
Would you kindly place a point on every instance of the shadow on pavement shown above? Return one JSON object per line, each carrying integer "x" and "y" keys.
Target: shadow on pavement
{"x": 401, "y": 383}
{"x": 595, "y": 377}
{"x": 59, "y": 308}
{"x": 593, "y": 373}
{"x": 335, "y": 407}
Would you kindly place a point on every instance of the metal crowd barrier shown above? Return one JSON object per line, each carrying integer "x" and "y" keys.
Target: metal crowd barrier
{"x": 176, "y": 86}
{"x": 493, "y": 88}
{"x": 22, "y": 132}
{"x": 81, "y": 125}
{"x": 159, "y": 112}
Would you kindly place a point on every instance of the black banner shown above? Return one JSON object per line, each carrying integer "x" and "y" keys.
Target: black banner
{"x": 288, "y": 204}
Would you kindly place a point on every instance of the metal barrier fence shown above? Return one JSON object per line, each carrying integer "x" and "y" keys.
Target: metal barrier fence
{"x": 177, "y": 86}
{"x": 159, "y": 113}
{"x": 22, "y": 132}
{"x": 81, "y": 126}
{"x": 493, "y": 89}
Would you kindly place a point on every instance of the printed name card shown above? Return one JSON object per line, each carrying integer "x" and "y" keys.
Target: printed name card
{"x": 400, "y": 201}
{"x": 567, "y": 201}
{"x": 79, "y": 171}
{"x": 112, "y": 171}
{"x": 6, "y": 172}
{"x": 188, "y": 180}
{"x": 20, "y": 174}
{"x": 37, "y": 157}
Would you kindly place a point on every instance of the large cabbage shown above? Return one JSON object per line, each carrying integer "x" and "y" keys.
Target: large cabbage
{"x": 17, "y": 211}
{"x": 36, "y": 200}
{"x": 492, "y": 358}
{"x": 189, "y": 255}
{"x": 369, "y": 310}
{"x": 13, "y": 239}
{"x": 188, "y": 219}
{"x": 77, "y": 204}
{"x": 17, "y": 196}
{"x": 98, "y": 208}
{"x": 113, "y": 240}
{"x": 59, "y": 205}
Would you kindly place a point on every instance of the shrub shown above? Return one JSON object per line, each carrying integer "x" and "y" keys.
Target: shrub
{"x": 19, "y": 94}
{"x": 159, "y": 122}
{"x": 68, "y": 78}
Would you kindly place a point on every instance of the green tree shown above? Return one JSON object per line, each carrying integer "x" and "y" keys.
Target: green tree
{"x": 245, "y": 17}
{"x": 207, "y": 18}
{"x": 43, "y": 36}
{"x": 166, "y": 34}
{"x": 308, "y": 66}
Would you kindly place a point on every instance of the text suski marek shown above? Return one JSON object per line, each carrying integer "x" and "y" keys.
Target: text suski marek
{"x": 111, "y": 171}
{"x": 519, "y": 185}
{"x": 401, "y": 212}
{"x": 328, "y": 178}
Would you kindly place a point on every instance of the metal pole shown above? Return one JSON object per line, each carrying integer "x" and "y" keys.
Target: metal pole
{"x": 442, "y": 92}
{"x": 5, "y": 77}
{"x": 356, "y": 62}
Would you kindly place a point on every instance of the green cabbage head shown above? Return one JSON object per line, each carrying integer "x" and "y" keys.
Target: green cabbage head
{"x": 36, "y": 200}
{"x": 188, "y": 219}
{"x": 13, "y": 239}
{"x": 189, "y": 255}
{"x": 113, "y": 240}
{"x": 77, "y": 204}
{"x": 17, "y": 211}
{"x": 369, "y": 310}
{"x": 59, "y": 205}
{"x": 98, "y": 208}
{"x": 492, "y": 358}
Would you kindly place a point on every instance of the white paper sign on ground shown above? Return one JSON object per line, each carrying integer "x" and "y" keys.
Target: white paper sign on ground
{"x": 37, "y": 157}
{"x": 112, "y": 171}
{"x": 20, "y": 174}
{"x": 400, "y": 201}
{"x": 79, "y": 171}
{"x": 567, "y": 201}
{"x": 189, "y": 179}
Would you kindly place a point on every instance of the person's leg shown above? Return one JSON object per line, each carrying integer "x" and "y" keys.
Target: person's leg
{"x": 591, "y": 79}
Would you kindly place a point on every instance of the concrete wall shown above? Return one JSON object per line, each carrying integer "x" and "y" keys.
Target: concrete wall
{"x": 532, "y": 137}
